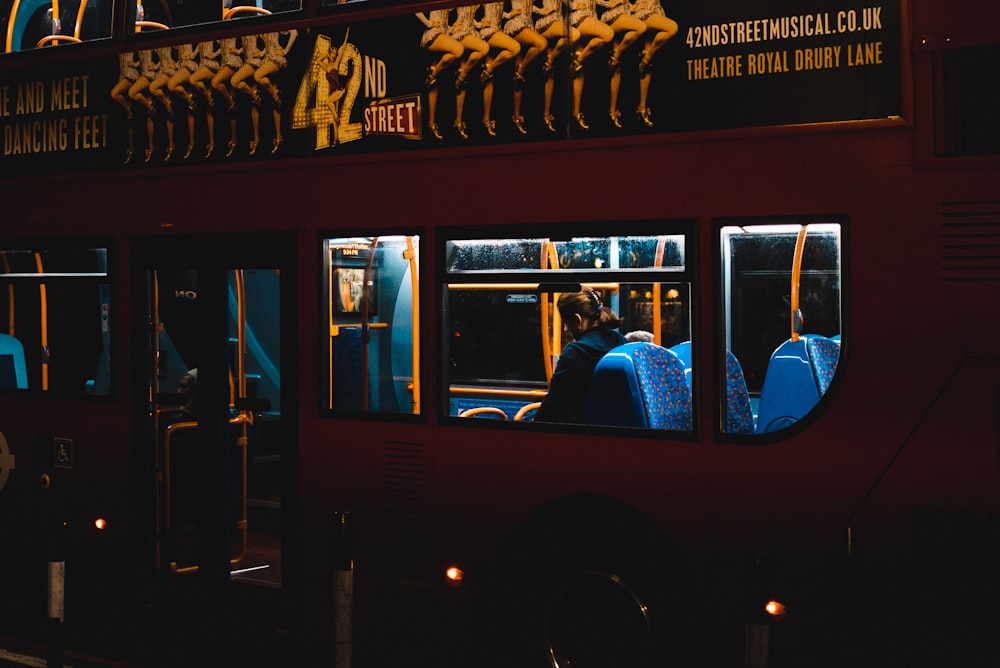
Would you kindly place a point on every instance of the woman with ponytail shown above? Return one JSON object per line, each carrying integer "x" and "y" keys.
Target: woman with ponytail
{"x": 594, "y": 328}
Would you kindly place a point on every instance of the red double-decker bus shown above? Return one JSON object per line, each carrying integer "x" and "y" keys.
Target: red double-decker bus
{"x": 285, "y": 287}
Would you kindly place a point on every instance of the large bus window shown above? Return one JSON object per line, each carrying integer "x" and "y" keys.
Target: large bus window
{"x": 506, "y": 330}
{"x": 33, "y": 24}
{"x": 55, "y": 320}
{"x": 782, "y": 302}
{"x": 162, "y": 14}
{"x": 373, "y": 310}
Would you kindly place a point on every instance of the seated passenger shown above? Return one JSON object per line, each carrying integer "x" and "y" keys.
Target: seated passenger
{"x": 186, "y": 389}
{"x": 594, "y": 328}
{"x": 640, "y": 335}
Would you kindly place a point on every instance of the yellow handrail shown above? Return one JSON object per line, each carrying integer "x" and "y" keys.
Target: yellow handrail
{"x": 76, "y": 28}
{"x": 366, "y": 296}
{"x": 44, "y": 307}
{"x": 79, "y": 18}
{"x": 241, "y": 522}
{"x": 139, "y": 25}
{"x": 228, "y": 14}
{"x": 482, "y": 410}
{"x": 10, "y": 294}
{"x": 334, "y": 329}
{"x": 661, "y": 245}
{"x": 10, "y": 24}
{"x": 56, "y": 39}
{"x": 613, "y": 287}
{"x": 551, "y": 327}
{"x": 497, "y": 392}
{"x": 796, "y": 315}
{"x": 525, "y": 409}
{"x": 411, "y": 256}
{"x": 241, "y": 337}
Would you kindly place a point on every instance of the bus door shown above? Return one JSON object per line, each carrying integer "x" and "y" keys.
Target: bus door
{"x": 212, "y": 333}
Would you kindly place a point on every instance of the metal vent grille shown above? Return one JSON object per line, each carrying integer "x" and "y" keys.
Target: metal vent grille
{"x": 970, "y": 240}
{"x": 405, "y": 481}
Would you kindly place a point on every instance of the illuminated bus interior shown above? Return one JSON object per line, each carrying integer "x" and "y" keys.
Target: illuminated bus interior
{"x": 253, "y": 417}
{"x": 56, "y": 319}
{"x": 372, "y": 288}
{"x": 781, "y": 298}
{"x": 504, "y": 333}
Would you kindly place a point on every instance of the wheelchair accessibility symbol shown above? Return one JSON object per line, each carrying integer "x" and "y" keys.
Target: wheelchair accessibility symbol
{"x": 6, "y": 461}
{"x": 64, "y": 453}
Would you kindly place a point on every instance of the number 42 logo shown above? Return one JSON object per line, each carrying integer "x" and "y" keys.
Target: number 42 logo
{"x": 328, "y": 91}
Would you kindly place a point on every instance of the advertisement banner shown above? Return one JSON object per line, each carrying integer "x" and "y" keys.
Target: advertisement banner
{"x": 472, "y": 75}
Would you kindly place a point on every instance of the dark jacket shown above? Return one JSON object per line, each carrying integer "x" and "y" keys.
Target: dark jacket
{"x": 571, "y": 379}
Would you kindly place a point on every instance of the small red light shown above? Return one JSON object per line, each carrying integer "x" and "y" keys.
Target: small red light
{"x": 101, "y": 523}
{"x": 454, "y": 574}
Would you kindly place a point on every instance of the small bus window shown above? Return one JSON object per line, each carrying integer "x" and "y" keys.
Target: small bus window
{"x": 782, "y": 300}
{"x": 55, "y": 325}
{"x": 34, "y": 24}
{"x": 529, "y": 334}
{"x": 373, "y": 310}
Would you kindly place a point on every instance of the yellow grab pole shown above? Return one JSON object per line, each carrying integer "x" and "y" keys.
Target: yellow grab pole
{"x": 411, "y": 255}
{"x": 44, "y": 309}
{"x": 800, "y": 243}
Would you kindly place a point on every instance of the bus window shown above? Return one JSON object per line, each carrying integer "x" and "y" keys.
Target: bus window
{"x": 147, "y": 15}
{"x": 39, "y": 23}
{"x": 504, "y": 333}
{"x": 372, "y": 299}
{"x": 782, "y": 301}
{"x": 55, "y": 325}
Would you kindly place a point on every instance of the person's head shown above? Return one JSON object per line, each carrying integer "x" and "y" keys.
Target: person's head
{"x": 584, "y": 310}
{"x": 640, "y": 335}
{"x": 188, "y": 385}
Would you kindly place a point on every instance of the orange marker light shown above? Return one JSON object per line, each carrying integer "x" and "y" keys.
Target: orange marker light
{"x": 454, "y": 574}
{"x": 101, "y": 523}
{"x": 774, "y": 608}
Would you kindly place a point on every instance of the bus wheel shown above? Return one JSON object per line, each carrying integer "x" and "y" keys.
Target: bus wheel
{"x": 594, "y": 618}
{"x": 588, "y": 581}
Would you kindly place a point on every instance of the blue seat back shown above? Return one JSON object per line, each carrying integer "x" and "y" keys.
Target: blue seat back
{"x": 13, "y": 371}
{"x": 739, "y": 414}
{"x": 347, "y": 369}
{"x": 683, "y": 352}
{"x": 824, "y": 354}
{"x": 640, "y": 385}
{"x": 798, "y": 374}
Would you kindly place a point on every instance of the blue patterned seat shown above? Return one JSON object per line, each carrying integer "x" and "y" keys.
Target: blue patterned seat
{"x": 739, "y": 414}
{"x": 738, "y": 418}
{"x": 683, "y": 351}
{"x": 640, "y": 385}
{"x": 347, "y": 369}
{"x": 824, "y": 353}
{"x": 798, "y": 374}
